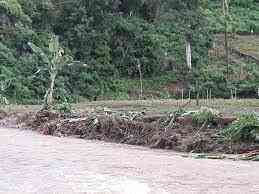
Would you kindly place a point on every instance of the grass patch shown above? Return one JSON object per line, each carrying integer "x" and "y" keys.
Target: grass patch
{"x": 154, "y": 87}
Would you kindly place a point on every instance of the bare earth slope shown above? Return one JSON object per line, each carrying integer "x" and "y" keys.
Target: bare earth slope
{"x": 32, "y": 163}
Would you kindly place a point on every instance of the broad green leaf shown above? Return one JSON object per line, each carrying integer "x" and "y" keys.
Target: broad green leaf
{"x": 37, "y": 50}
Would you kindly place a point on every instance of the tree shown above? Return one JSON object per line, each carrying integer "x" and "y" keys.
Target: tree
{"x": 225, "y": 8}
{"x": 189, "y": 19}
{"x": 188, "y": 53}
{"x": 14, "y": 10}
{"x": 55, "y": 59}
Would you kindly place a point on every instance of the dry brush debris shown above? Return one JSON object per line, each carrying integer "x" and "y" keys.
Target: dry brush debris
{"x": 178, "y": 131}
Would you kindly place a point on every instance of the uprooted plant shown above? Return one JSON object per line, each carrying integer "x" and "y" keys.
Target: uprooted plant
{"x": 170, "y": 121}
{"x": 204, "y": 115}
{"x": 244, "y": 129}
{"x": 65, "y": 107}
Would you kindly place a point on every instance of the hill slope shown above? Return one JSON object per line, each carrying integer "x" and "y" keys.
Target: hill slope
{"x": 114, "y": 38}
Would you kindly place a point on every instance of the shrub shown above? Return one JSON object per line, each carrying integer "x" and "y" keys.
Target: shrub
{"x": 64, "y": 108}
{"x": 204, "y": 115}
{"x": 245, "y": 129}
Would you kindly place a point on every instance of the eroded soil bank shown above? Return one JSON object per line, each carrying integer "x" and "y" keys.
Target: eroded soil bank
{"x": 171, "y": 131}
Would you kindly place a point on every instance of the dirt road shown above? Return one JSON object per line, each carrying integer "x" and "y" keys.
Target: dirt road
{"x": 32, "y": 163}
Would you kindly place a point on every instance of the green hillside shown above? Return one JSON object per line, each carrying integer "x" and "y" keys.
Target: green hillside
{"x": 112, "y": 41}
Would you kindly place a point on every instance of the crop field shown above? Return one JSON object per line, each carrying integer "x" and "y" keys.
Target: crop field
{"x": 225, "y": 106}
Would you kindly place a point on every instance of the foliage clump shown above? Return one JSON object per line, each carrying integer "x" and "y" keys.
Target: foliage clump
{"x": 204, "y": 116}
{"x": 13, "y": 9}
{"x": 64, "y": 108}
{"x": 244, "y": 129}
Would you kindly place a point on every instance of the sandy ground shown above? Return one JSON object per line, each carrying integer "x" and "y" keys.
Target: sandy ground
{"x": 32, "y": 163}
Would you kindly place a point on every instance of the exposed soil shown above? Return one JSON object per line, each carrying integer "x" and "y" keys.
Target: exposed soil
{"x": 155, "y": 131}
{"x": 135, "y": 128}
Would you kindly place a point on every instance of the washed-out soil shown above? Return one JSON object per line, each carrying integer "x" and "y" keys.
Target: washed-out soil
{"x": 154, "y": 131}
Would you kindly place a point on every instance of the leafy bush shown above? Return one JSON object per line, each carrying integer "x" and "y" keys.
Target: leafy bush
{"x": 14, "y": 9}
{"x": 243, "y": 16}
{"x": 244, "y": 129}
{"x": 64, "y": 108}
{"x": 204, "y": 115}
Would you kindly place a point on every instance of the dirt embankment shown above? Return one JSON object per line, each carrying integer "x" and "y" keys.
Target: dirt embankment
{"x": 156, "y": 131}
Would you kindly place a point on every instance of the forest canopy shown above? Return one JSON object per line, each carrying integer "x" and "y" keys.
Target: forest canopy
{"x": 111, "y": 39}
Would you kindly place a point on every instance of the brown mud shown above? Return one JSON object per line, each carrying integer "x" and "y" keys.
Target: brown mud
{"x": 154, "y": 131}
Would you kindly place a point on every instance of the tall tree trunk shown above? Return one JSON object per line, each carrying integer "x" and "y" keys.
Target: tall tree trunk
{"x": 225, "y": 5}
{"x": 141, "y": 81}
{"x": 226, "y": 48}
{"x": 188, "y": 54}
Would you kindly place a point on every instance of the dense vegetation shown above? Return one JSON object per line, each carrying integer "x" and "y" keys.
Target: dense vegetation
{"x": 112, "y": 41}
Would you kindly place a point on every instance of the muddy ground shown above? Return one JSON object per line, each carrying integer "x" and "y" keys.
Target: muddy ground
{"x": 33, "y": 163}
{"x": 159, "y": 130}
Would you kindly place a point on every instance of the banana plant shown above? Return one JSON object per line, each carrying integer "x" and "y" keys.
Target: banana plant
{"x": 55, "y": 60}
{"x": 4, "y": 85}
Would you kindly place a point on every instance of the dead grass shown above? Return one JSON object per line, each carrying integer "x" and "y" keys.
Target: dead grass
{"x": 165, "y": 106}
{"x": 152, "y": 106}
